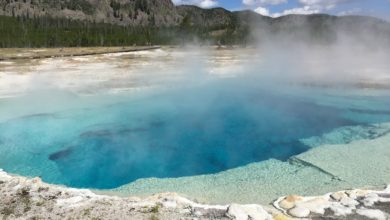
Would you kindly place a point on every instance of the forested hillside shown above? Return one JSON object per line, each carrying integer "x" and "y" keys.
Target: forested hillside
{"x": 61, "y": 32}
{"x": 70, "y": 23}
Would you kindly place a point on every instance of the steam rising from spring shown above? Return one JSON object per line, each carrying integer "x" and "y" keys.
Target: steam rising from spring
{"x": 187, "y": 111}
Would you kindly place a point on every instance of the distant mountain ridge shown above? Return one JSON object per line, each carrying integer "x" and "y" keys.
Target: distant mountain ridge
{"x": 134, "y": 12}
{"x": 189, "y": 22}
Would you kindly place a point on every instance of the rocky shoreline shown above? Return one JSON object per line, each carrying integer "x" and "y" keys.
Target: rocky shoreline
{"x": 30, "y": 198}
{"x": 349, "y": 204}
{"x": 32, "y": 54}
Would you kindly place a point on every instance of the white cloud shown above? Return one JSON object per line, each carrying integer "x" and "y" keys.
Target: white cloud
{"x": 322, "y": 4}
{"x": 350, "y": 12}
{"x": 262, "y": 11}
{"x": 311, "y": 7}
{"x": 200, "y": 3}
{"x": 263, "y": 2}
{"x": 306, "y": 10}
{"x": 208, "y": 3}
{"x": 307, "y": 7}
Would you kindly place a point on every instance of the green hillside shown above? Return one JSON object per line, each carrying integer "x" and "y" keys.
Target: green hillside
{"x": 59, "y": 32}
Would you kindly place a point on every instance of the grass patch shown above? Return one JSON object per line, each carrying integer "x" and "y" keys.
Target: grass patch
{"x": 43, "y": 189}
{"x": 40, "y": 203}
{"x": 155, "y": 209}
{"x": 24, "y": 197}
{"x": 154, "y": 217}
{"x": 87, "y": 212}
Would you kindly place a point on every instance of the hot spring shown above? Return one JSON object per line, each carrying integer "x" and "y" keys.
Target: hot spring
{"x": 205, "y": 126}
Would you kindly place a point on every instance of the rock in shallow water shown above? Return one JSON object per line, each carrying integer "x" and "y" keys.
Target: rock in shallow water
{"x": 289, "y": 201}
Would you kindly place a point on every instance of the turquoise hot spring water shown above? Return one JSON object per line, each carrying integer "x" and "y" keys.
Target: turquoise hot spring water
{"x": 202, "y": 129}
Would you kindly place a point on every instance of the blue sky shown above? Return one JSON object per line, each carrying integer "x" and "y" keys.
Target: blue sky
{"x": 275, "y": 8}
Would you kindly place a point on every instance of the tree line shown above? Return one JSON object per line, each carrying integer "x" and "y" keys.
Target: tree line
{"x": 61, "y": 32}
